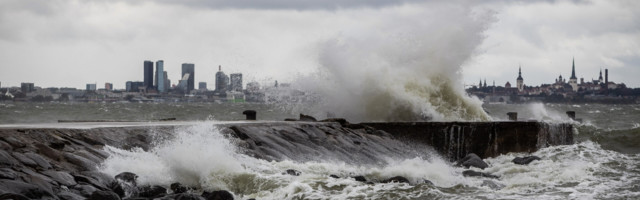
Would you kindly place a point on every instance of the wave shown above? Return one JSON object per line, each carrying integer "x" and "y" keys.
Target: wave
{"x": 624, "y": 140}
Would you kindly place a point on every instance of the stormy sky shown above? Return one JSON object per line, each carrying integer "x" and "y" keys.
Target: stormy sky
{"x": 60, "y": 43}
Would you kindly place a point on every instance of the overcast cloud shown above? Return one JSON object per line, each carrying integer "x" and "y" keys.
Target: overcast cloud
{"x": 70, "y": 43}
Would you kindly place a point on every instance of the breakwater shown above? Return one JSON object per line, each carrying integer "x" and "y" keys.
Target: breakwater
{"x": 64, "y": 163}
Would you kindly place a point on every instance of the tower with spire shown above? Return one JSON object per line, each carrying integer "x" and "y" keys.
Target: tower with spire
{"x": 600, "y": 81}
{"x": 520, "y": 81}
{"x": 573, "y": 81}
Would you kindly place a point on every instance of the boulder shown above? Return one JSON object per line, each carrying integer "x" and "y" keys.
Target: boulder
{"x": 307, "y": 118}
{"x": 396, "y": 179}
{"x": 472, "y": 160}
{"x": 85, "y": 189}
{"x": 293, "y": 172}
{"x": 334, "y": 176}
{"x": 428, "y": 182}
{"x": 7, "y": 173}
{"x": 178, "y": 188}
{"x": 525, "y": 160}
{"x": 22, "y": 188}
{"x": 127, "y": 177}
{"x": 492, "y": 185}
{"x": 24, "y": 159}
{"x": 188, "y": 196}
{"x": 5, "y": 146}
{"x": 66, "y": 195}
{"x": 85, "y": 179}
{"x": 15, "y": 142}
{"x": 360, "y": 178}
{"x": 82, "y": 163}
{"x": 48, "y": 151}
{"x": 151, "y": 191}
{"x": 218, "y": 195}
{"x": 13, "y": 196}
{"x": 104, "y": 195}
{"x": 63, "y": 178}
{"x": 41, "y": 161}
{"x": 6, "y": 159}
{"x": 471, "y": 173}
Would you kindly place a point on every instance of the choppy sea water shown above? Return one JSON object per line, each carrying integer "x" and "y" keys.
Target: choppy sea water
{"x": 603, "y": 164}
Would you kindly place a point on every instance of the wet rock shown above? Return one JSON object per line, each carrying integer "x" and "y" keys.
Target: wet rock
{"x": 151, "y": 191}
{"x": 104, "y": 195}
{"x": 334, "y": 176}
{"x": 525, "y": 160}
{"x": 218, "y": 195}
{"x": 18, "y": 187}
{"x": 13, "y": 196}
{"x": 42, "y": 162}
{"x": 63, "y": 178}
{"x": 102, "y": 179}
{"x": 5, "y": 146}
{"x": 6, "y": 159}
{"x": 85, "y": 189}
{"x": 293, "y": 172}
{"x": 116, "y": 187}
{"x": 471, "y": 173}
{"x": 87, "y": 155}
{"x": 43, "y": 182}
{"x": 290, "y": 119}
{"x": 307, "y": 118}
{"x": 88, "y": 180}
{"x": 428, "y": 182}
{"x": 6, "y": 173}
{"x": 396, "y": 179}
{"x": 188, "y": 196}
{"x": 57, "y": 144}
{"x": 178, "y": 188}
{"x": 343, "y": 122}
{"x": 15, "y": 142}
{"x": 81, "y": 162}
{"x": 492, "y": 185}
{"x": 472, "y": 160}
{"x": 66, "y": 195}
{"x": 24, "y": 159}
{"x": 127, "y": 177}
{"x": 48, "y": 151}
{"x": 360, "y": 178}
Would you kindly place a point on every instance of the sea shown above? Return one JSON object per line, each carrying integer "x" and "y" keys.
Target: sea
{"x": 604, "y": 162}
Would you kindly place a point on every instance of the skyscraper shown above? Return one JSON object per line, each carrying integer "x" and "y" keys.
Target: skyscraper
{"x": 188, "y": 68}
{"x": 236, "y": 82}
{"x": 148, "y": 74}
{"x": 108, "y": 86}
{"x": 202, "y": 86}
{"x": 222, "y": 81}
{"x": 160, "y": 76}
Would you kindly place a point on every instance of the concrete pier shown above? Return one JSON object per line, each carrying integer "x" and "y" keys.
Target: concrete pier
{"x": 454, "y": 140}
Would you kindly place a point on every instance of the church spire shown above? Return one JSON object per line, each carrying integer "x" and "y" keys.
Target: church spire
{"x": 573, "y": 69}
{"x": 519, "y": 73}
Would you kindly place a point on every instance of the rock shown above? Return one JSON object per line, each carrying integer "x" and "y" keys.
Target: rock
{"x": 48, "y": 151}
{"x": 307, "y": 118}
{"x": 6, "y": 159}
{"x": 43, "y": 182}
{"x": 87, "y": 155}
{"x": 396, "y": 179}
{"x": 290, "y": 120}
{"x": 525, "y": 160}
{"x": 343, "y": 122}
{"x": 293, "y": 172}
{"x": 85, "y": 189}
{"x": 104, "y": 195}
{"x": 360, "y": 178}
{"x": 58, "y": 144}
{"x": 88, "y": 180}
{"x": 188, "y": 196}
{"x": 334, "y": 176}
{"x": 127, "y": 177}
{"x": 63, "y": 178}
{"x": 22, "y": 188}
{"x": 42, "y": 162}
{"x": 14, "y": 142}
{"x": 5, "y": 146}
{"x": 102, "y": 179}
{"x": 13, "y": 196}
{"x": 472, "y": 160}
{"x": 178, "y": 188}
{"x": 6, "y": 173}
{"x": 471, "y": 173}
{"x": 24, "y": 159}
{"x": 82, "y": 163}
{"x": 66, "y": 195}
{"x": 116, "y": 187}
{"x": 218, "y": 195}
{"x": 428, "y": 182}
{"x": 151, "y": 191}
{"x": 492, "y": 185}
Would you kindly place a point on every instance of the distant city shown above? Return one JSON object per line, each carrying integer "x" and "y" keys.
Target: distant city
{"x": 561, "y": 90}
{"x": 155, "y": 87}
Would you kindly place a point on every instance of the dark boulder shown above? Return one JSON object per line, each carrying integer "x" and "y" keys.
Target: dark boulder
{"x": 66, "y": 195}
{"x": 85, "y": 189}
{"x": 48, "y": 151}
{"x": 13, "y": 196}
{"x": 18, "y": 187}
{"x": 88, "y": 180}
{"x": 471, "y": 173}
{"x": 428, "y": 182}
{"x": 293, "y": 172}
{"x": 334, "y": 176}
{"x": 24, "y": 159}
{"x": 7, "y": 173}
{"x": 82, "y": 163}
{"x": 360, "y": 178}
{"x": 472, "y": 160}
{"x": 14, "y": 142}
{"x": 396, "y": 179}
{"x": 127, "y": 177}
{"x": 188, "y": 196}
{"x": 63, "y": 178}
{"x": 307, "y": 118}
{"x": 218, "y": 195}
{"x": 525, "y": 160}
{"x": 41, "y": 161}
{"x": 178, "y": 188}
{"x": 492, "y": 185}
{"x": 116, "y": 187}
{"x": 104, "y": 195}
{"x": 6, "y": 159}
{"x": 151, "y": 191}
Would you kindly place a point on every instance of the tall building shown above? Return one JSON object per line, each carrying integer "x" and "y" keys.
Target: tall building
{"x": 222, "y": 81}
{"x": 108, "y": 86}
{"x": 148, "y": 74}
{"x": 160, "y": 79}
{"x": 236, "y": 82}
{"x": 26, "y": 87}
{"x": 188, "y": 68}
{"x": 573, "y": 80}
{"x": 134, "y": 86}
{"x": 600, "y": 78}
{"x": 91, "y": 87}
{"x": 202, "y": 86}
{"x": 519, "y": 80}
{"x": 606, "y": 76}
{"x": 167, "y": 82}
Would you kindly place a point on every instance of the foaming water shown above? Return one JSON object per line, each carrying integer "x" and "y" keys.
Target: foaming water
{"x": 201, "y": 156}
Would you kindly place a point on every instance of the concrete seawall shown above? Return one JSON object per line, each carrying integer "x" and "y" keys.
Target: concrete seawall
{"x": 454, "y": 140}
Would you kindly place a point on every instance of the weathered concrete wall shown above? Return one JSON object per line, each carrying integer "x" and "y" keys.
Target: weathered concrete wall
{"x": 486, "y": 139}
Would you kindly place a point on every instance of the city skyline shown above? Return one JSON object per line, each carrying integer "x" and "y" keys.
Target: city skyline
{"x": 280, "y": 41}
